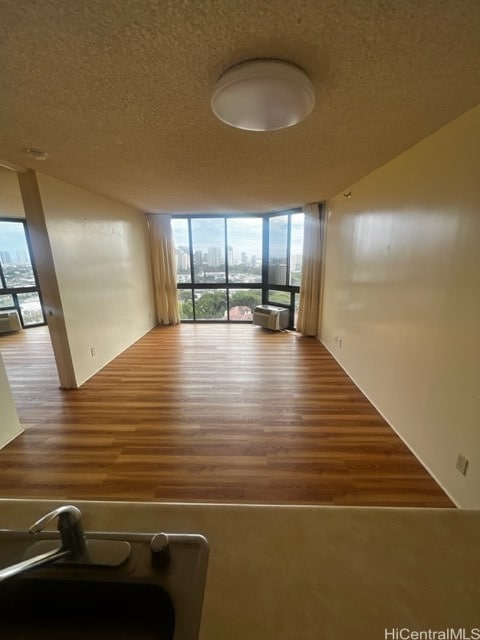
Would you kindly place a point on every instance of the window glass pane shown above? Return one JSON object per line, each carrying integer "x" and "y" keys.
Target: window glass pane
{"x": 208, "y": 238}
{"x": 30, "y": 308}
{"x": 243, "y": 302}
{"x": 278, "y": 297}
{"x": 296, "y": 248}
{"x": 244, "y": 249}
{"x": 277, "y": 250}
{"x": 14, "y": 255}
{"x": 6, "y": 301}
{"x": 185, "y": 304}
{"x": 182, "y": 246}
{"x": 210, "y": 304}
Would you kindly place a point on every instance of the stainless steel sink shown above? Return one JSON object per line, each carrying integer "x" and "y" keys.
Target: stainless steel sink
{"x": 149, "y": 595}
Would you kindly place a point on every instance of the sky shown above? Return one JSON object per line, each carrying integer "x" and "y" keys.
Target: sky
{"x": 12, "y": 238}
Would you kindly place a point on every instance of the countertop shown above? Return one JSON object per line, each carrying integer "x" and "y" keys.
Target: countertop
{"x": 286, "y": 572}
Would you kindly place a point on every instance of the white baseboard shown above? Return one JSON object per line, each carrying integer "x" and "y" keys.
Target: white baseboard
{"x": 19, "y": 433}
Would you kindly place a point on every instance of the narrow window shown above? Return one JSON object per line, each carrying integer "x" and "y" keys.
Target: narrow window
{"x": 18, "y": 280}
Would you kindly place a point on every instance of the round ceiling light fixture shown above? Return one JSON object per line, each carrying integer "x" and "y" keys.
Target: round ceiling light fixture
{"x": 263, "y": 95}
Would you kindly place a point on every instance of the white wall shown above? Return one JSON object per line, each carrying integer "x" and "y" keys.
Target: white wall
{"x": 9, "y": 425}
{"x": 11, "y": 205}
{"x": 401, "y": 301}
{"x": 102, "y": 262}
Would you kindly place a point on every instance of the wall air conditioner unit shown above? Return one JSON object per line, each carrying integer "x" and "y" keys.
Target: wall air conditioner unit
{"x": 9, "y": 321}
{"x": 268, "y": 317}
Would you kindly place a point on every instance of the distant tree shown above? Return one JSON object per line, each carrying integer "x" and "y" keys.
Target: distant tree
{"x": 245, "y": 298}
{"x": 211, "y": 306}
{"x": 279, "y": 296}
{"x": 185, "y": 304}
{"x": 186, "y": 310}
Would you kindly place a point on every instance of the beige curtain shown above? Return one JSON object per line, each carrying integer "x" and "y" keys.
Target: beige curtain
{"x": 164, "y": 268}
{"x": 310, "y": 286}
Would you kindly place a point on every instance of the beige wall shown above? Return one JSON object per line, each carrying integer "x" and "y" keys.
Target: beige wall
{"x": 102, "y": 264}
{"x": 9, "y": 424}
{"x": 401, "y": 307}
{"x": 11, "y": 205}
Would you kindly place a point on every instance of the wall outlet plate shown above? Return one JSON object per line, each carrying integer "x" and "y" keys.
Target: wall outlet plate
{"x": 462, "y": 464}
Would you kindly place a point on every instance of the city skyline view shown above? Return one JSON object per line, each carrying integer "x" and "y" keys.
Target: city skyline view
{"x": 243, "y": 240}
{"x": 227, "y": 253}
{"x": 13, "y": 245}
{"x": 17, "y": 274}
{"x": 248, "y": 230}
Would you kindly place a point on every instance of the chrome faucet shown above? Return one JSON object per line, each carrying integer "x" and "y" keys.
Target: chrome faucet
{"x": 72, "y": 536}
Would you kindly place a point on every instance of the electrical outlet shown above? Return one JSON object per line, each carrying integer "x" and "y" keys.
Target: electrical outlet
{"x": 340, "y": 343}
{"x": 92, "y": 352}
{"x": 462, "y": 464}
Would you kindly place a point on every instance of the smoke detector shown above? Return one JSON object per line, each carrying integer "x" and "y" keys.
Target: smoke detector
{"x": 36, "y": 154}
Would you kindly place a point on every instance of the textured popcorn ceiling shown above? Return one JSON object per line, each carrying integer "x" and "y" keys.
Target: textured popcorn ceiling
{"x": 118, "y": 93}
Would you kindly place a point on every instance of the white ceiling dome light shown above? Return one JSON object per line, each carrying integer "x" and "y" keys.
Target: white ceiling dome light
{"x": 263, "y": 95}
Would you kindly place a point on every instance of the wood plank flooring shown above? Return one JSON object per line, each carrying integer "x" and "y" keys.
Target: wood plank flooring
{"x": 213, "y": 413}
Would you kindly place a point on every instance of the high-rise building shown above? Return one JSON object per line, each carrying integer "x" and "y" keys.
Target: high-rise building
{"x": 183, "y": 260}
{"x": 296, "y": 262}
{"x": 278, "y": 272}
{"x": 230, "y": 255}
{"x": 214, "y": 257}
{"x": 5, "y": 257}
{"x": 198, "y": 258}
{"x": 22, "y": 257}
{"x": 244, "y": 258}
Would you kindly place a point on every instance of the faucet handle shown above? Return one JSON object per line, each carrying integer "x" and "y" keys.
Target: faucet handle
{"x": 67, "y": 516}
{"x": 70, "y": 528}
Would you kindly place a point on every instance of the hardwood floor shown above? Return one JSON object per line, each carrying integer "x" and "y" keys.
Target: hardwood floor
{"x": 215, "y": 413}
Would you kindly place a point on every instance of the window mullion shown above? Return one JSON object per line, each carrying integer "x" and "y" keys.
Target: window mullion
{"x": 190, "y": 247}
{"x": 265, "y": 257}
{"x": 225, "y": 248}
{"x": 192, "y": 268}
{"x": 289, "y": 238}
{"x": 227, "y": 291}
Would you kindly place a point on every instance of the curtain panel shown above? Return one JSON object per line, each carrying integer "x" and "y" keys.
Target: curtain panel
{"x": 311, "y": 283}
{"x": 162, "y": 249}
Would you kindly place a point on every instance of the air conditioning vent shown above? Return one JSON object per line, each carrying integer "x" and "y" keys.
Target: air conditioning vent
{"x": 9, "y": 321}
{"x": 269, "y": 317}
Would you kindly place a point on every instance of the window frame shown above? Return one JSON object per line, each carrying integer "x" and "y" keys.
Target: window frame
{"x": 264, "y": 286}
{"x": 13, "y": 291}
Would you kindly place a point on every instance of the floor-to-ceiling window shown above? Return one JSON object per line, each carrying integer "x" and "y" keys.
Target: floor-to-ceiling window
{"x": 285, "y": 253}
{"x": 228, "y": 264}
{"x": 18, "y": 280}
